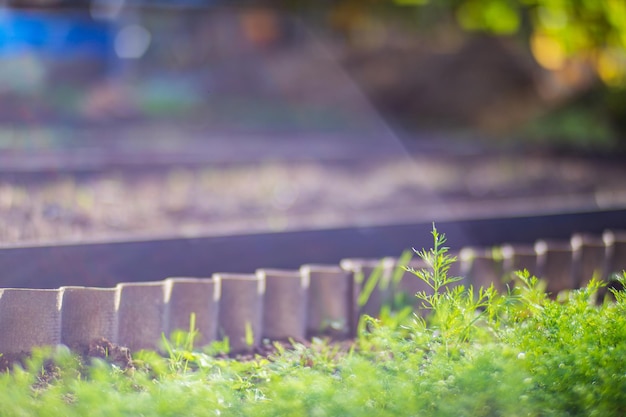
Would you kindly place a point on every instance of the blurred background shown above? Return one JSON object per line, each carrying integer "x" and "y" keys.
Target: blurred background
{"x": 337, "y": 107}
{"x": 534, "y": 72}
{"x": 548, "y": 72}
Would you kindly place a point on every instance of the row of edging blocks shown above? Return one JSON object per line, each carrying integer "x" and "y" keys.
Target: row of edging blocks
{"x": 274, "y": 304}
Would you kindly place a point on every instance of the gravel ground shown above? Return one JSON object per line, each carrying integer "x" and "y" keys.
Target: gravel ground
{"x": 286, "y": 194}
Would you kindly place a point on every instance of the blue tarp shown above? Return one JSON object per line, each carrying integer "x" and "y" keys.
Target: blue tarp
{"x": 54, "y": 35}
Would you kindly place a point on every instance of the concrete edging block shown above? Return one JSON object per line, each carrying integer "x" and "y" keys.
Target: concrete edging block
{"x": 555, "y": 264}
{"x": 615, "y": 240}
{"x": 362, "y": 270}
{"x": 88, "y": 313}
{"x": 481, "y": 268}
{"x": 29, "y": 318}
{"x": 141, "y": 310}
{"x": 328, "y": 310}
{"x": 285, "y": 308}
{"x": 516, "y": 258}
{"x": 590, "y": 258}
{"x": 240, "y": 316}
{"x": 409, "y": 284}
{"x": 199, "y": 296}
{"x": 365, "y": 269}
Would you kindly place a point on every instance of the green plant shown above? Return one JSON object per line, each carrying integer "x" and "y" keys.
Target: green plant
{"x": 454, "y": 308}
{"x": 180, "y": 345}
{"x": 477, "y": 353}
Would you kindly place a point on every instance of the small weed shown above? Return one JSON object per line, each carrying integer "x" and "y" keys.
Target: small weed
{"x": 180, "y": 345}
{"x": 454, "y": 309}
{"x": 249, "y": 336}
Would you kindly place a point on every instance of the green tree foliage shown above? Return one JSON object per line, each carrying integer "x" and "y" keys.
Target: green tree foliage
{"x": 557, "y": 30}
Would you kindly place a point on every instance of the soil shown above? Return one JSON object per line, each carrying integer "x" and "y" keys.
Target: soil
{"x": 120, "y": 356}
{"x": 110, "y": 352}
{"x": 98, "y": 348}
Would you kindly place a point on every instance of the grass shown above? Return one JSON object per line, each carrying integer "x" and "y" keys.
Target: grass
{"x": 469, "y": 352}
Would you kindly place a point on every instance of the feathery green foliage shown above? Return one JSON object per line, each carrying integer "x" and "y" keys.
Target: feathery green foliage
{"x": 476, "y": 353}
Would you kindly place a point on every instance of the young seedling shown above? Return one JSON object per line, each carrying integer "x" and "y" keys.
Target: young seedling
{"x": 453, "y": 309}
{"x": 180, "y": 346}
